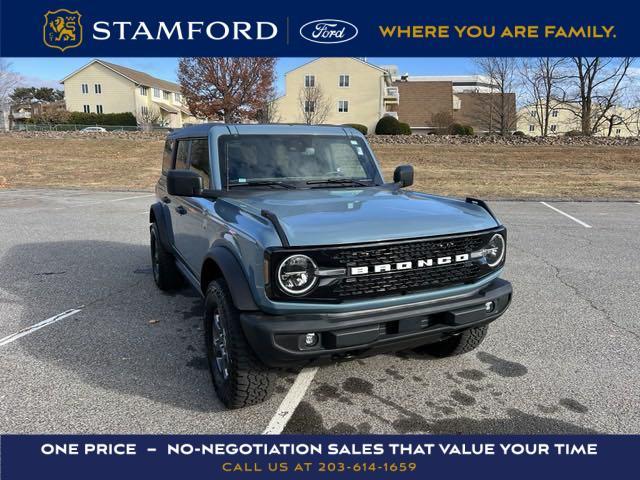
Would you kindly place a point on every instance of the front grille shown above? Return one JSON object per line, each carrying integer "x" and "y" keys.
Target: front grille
{"x": 400, "y": 281}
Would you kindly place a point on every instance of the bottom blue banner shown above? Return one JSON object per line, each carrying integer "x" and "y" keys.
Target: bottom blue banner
{"x": 290, "y": 456}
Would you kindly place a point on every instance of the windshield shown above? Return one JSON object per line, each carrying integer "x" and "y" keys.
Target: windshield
{"x": 295, "y": 159}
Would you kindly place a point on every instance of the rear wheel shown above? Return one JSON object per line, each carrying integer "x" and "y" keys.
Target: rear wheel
{"x": 165, "y": 273}
{"x": 459, "y": 344}
{"x": 239, "y": 378}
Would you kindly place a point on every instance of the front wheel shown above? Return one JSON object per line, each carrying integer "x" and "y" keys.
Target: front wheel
{"x": 459, "y": 344}
{"x": 165, "y": 273}
{"x": 239, "y": 378}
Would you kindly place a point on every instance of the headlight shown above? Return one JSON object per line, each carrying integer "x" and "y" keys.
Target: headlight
{"x": 296, "y": 274}
{"x": 494, "y": 251}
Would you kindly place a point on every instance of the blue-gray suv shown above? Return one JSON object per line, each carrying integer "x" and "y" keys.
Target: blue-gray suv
{"x": 303, "y": 252}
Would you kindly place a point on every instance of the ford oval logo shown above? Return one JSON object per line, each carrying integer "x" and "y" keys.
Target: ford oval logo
{"x": 328, "y": 30}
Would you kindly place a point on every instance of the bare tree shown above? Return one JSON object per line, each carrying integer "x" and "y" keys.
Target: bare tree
{"x": 149, "y": 117}
{"x": 543, "y": 82}
{"x": 233, "y": 88}
{"x": 9, "y": 80}
{"x": 314, "y": 104}
{"x": 597, "y": 85}
{"x": 441, "y": 122}
{"x": 268, "y": 111}
{"x": 499, "y": 106}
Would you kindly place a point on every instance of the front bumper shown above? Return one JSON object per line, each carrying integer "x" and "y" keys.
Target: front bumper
{"x": 278, "y": 340}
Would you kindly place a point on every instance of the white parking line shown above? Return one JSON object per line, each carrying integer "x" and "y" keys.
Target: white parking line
{"x": 26, "y": 331}
{"x": 291, "y": 400}
{"x": 585, "y": 225}
{"x": 104, "y": 201}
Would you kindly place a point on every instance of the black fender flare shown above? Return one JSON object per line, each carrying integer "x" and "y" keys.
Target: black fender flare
{"x": 159, "y": 216}
{"x": 228, "y": 266}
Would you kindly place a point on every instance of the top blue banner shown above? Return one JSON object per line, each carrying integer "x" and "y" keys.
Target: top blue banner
{"x": 55, "y": 28}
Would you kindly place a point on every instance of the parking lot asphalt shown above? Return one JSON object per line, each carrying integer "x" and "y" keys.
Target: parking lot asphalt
{"x": 563, "y": 359}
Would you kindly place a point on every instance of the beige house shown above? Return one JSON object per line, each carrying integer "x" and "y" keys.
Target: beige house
{"x": 353, "y": 90}
{"x": 623, "y": 122}
{"x": 103, "y": 87}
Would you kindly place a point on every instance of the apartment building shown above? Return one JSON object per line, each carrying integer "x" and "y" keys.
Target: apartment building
{"x": 104, "y": 87}
{"x": 465, "y": 99}
{"x": 620, "y": 122}
{"x": 354, "y": 91}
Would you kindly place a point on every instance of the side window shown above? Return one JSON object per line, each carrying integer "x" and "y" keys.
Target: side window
{"x": 167, "y": 156}
{"x": 199, "y": 161}
{"x": 182, "y": 154}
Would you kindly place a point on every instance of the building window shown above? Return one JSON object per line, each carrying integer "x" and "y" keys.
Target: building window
{"x": 532, "y": 113}
{"x": 97, "y": 88}
{"x": 144, "y": 91}
{"x": 309, "y": 106}
{"x": 85, "y": 88}
{"x": 177, "y": 98}
{"x": 144, "y": 110}
{"x": 309, "y": 81}
{"x": 554, "y": 127}
{"x": 156, "y": 92}
{"x": 532, "y": 128}
{"x": 618, "y": 131}
{"x": 344, "y": 80}
{"x": 343, "y": 106}
{"x": 99, "y": 109}
{"x": 166, "y": 95}
{"x": 554, "y": 113}
{"x": 86, "y": 109}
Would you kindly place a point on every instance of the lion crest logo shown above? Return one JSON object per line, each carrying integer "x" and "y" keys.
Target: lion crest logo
{"x": 62, "y": 29}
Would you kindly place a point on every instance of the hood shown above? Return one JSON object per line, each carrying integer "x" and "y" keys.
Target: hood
{"x": 312, "y": 217}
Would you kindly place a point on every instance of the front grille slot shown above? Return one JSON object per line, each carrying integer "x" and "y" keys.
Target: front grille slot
{"x": 399, "y": 282}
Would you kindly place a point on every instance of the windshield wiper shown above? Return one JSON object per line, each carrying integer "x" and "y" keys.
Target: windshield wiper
{"x": 262, "y": 183}
{"x": 338, "y": 180}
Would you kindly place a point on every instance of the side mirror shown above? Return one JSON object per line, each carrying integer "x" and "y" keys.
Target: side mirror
{"x": 403, "y": 175}
{"x": 184, "y": 183}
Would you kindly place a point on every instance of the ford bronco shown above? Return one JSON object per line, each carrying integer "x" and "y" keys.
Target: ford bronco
{"x": 303, "y": 252}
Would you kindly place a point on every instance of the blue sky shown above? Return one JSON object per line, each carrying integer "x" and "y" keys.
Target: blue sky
{"x": 48, "y": 72}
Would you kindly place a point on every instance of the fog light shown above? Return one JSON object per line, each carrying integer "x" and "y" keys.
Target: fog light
{"x": 489, "y": 306}
{"x": 310, "y": 339}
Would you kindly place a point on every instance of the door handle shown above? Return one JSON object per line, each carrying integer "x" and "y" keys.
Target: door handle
{"x": 166, "y": 199}
{"x": 181, "y": 210}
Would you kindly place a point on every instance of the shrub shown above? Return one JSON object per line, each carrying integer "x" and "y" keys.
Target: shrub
{"x": 458, "y": 129}
{"x": 519, "y": 133}
{"x": 574, "y": 133}
{"x": 388, "y": 125}
{"x": 81, "y": 118}
{"x": 405, "y": 129}
{"x": 361, "y": 128}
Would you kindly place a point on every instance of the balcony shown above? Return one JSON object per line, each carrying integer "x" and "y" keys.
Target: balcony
{"x": 391, "y": 95}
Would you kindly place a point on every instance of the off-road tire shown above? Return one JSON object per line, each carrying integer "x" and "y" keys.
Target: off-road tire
{"x": 165, "y": 273}
{"x": 457, "y": 345}
{"x": 248, "y": 380}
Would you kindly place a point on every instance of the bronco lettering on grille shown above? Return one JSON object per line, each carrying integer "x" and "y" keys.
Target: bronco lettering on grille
{"x": 409, "y": 265}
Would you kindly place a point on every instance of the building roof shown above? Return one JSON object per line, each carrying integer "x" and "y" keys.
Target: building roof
{"x": 457, "y": 80}
{"x": 137, "y": 77}
{"x": 364, "y": 62}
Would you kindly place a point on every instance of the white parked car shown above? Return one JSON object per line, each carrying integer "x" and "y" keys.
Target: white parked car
{"x": 93, "y": 129}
